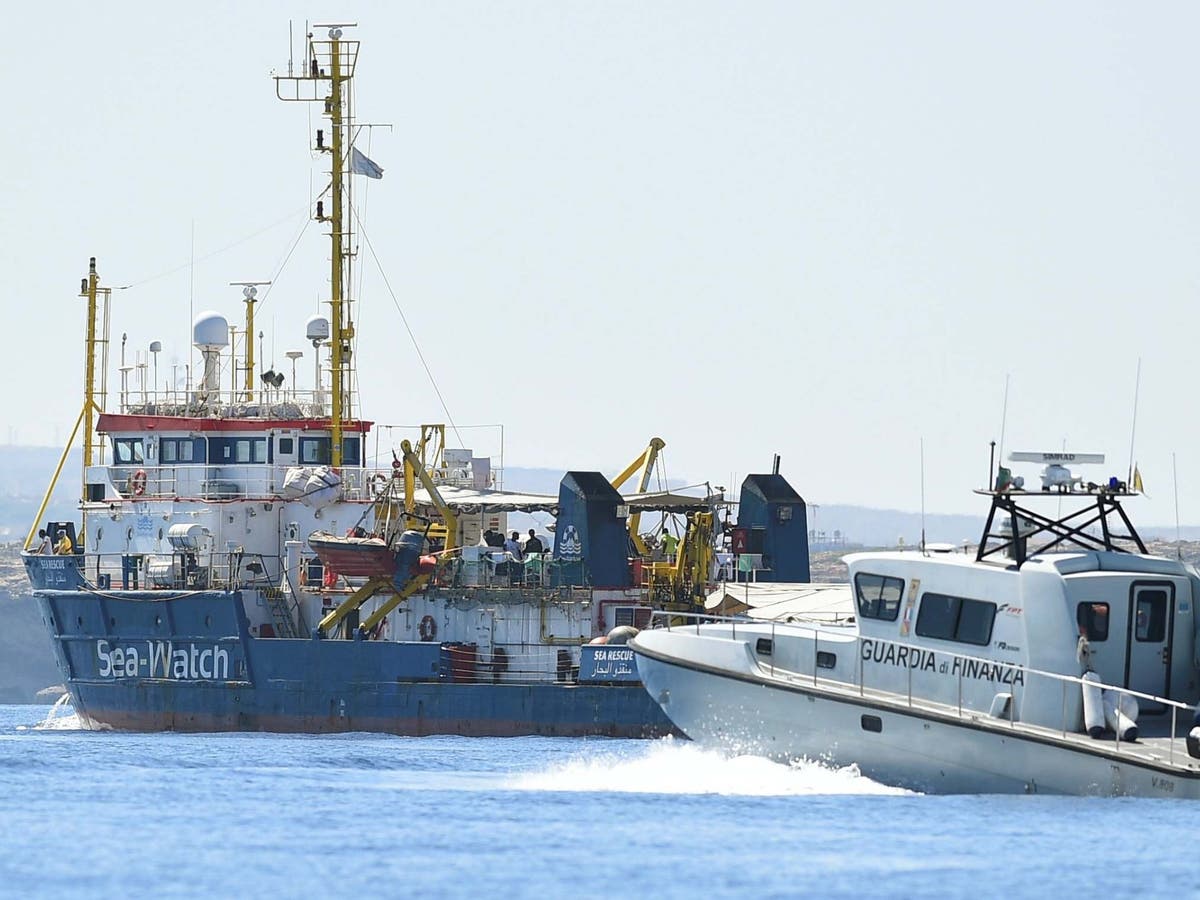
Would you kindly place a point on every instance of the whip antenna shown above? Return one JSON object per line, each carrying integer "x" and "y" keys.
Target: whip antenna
{"x": 922, "y": 495}
{"x": 1178, "y": 538}
{"x": 1004, "y": 415}
{"x": 1137, "y": 384}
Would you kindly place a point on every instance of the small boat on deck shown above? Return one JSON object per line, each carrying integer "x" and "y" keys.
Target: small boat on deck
{"x": 354, "y": 556}
{"x": 1059, "y": 657}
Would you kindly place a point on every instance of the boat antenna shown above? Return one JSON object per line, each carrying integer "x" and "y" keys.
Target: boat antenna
{"x": 1178, "y": 538}
{"x": 922, "y": 494}
{"x": 1004, "y": 416}
{"x": 1137, "y": 384}
{"x": 191, "y": 301}
{"x": 291, "y": 48}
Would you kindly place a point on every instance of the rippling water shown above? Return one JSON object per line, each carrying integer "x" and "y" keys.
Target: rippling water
{"x": 97, "y": 813}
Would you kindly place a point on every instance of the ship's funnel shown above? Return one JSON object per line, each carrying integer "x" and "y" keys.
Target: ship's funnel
{"x": 210, "y": 335}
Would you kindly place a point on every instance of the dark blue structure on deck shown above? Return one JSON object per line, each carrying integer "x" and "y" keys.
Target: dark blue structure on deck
{"x": 773, "y": 521}
{"x": 591, "y": 543}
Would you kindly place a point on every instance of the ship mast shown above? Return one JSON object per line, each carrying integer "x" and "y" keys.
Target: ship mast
{"x": 95, "y": 392}
{"x": 325, "y": 79}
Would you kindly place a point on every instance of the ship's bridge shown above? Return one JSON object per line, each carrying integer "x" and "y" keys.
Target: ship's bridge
{"x": 218, "y": 458}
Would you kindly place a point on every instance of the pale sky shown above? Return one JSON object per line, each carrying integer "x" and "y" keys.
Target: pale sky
{"x": 827, "y": 230}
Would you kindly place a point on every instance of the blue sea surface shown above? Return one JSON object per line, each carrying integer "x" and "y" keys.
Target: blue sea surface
{"x": 256, "y": 815}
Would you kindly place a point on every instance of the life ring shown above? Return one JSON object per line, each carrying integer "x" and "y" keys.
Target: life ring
{"x": 427, "y": 629}
{"x": 379, "y": 483}
{"x": 138, "y": 482}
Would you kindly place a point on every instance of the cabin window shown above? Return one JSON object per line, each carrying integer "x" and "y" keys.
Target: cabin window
{"x": 878, "y": 596}
{"x": 350, "y": 451}
{"x": 1093, "y": 620}
{"x": 1150, "y": 612}
{"x": 314, "y": 451}
{"x": 956, "y": 619}
{"x": 287, "y": 446}
{"x": 181, "y": 450}
{"x": 128, "y": 451}
{"x": 238, "y": 450}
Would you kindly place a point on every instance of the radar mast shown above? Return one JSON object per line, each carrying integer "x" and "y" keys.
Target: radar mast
{"x": 324, "y": 78}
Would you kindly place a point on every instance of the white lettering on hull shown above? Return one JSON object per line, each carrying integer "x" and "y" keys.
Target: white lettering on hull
{"x": 162, "y": 659}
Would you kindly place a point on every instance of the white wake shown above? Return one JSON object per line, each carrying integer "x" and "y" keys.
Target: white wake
{"x": 61, "y": 717}
{"x": 677, "y": 767}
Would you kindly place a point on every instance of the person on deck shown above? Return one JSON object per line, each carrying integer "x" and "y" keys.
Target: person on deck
{"x": 44, "y": 548}
{"x": 669, "y": 543}
{"x": 64, "y": 547}
{"x": 513, "y": 546}
{"x": 534, "y": 544}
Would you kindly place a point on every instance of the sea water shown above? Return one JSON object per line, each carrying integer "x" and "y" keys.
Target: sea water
{"x": 103, "y": 814}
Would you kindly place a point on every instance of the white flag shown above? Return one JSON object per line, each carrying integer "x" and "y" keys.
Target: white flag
{"x": 360, "y": 165}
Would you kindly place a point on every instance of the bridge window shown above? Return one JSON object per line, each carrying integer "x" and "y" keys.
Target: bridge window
{"x": 1093, "y": 620}
{"x": 314, "y": 451}
{"x": 318, "y": 451}
{"x": 956, "y": 619}
{"x": 878, "y": 596}
{"x": 180, "y": 450}
{"x": 238, "y": 450}
{"x": 128, "y": 451}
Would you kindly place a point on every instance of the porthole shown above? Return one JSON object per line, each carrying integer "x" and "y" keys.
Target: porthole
{"x": 764, "y": 646}
{"x": 826, "y": 660}
{"x": 208, "y": 621}
{"x": 158, "y": 620}
{"x": 79, "y": 621}
{"x": 872, "y": 723}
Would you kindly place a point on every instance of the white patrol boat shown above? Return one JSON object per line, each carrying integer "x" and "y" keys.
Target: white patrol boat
{"x": 1059, "y": 657}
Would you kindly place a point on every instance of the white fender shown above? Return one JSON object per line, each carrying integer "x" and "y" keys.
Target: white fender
{"x": 1093, "y": 704}
{"x": 1115, "y": 707}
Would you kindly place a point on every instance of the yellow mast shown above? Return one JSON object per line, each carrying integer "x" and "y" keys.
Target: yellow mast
{"x": 341, "y": 329}
{"x": 249, "y": 345}
{"x": 332, "y": 62}
{"x": 89, "y": 369}
{"x": 91, "y": 291}
{"x": 250, "y": 296}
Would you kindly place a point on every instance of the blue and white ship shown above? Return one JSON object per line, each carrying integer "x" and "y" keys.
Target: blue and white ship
{"x": 239, "y": 563}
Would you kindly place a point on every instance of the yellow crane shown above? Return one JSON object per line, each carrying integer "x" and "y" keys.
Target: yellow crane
{"x": 644, "y": 461}
{"x": 414, "y": 469}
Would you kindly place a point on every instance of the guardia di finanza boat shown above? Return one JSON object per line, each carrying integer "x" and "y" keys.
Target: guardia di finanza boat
{"x": 239, "y": 563}
{"x": 1060, "y": 657}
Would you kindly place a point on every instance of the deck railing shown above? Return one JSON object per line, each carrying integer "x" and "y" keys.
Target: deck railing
{"x": 963, "y": 710}
{"x": 249, "y": 481}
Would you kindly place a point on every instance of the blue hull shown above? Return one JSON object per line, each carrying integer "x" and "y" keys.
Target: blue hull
{"x": 158, "y": 661}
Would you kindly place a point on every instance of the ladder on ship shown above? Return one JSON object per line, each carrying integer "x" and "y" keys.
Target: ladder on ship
{"x": 281, "y": 612}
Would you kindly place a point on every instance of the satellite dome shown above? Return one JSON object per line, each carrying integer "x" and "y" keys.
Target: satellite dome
{"x": 317, "y": 328}
{"x": 210, "y": 331}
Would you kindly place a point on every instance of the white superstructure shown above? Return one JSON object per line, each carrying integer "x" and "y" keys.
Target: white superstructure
{"x": 965, "y": 673}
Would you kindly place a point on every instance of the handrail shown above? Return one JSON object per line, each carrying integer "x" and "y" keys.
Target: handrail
{"x": 858, "y": 637}
{"x": 241, "y": 480}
